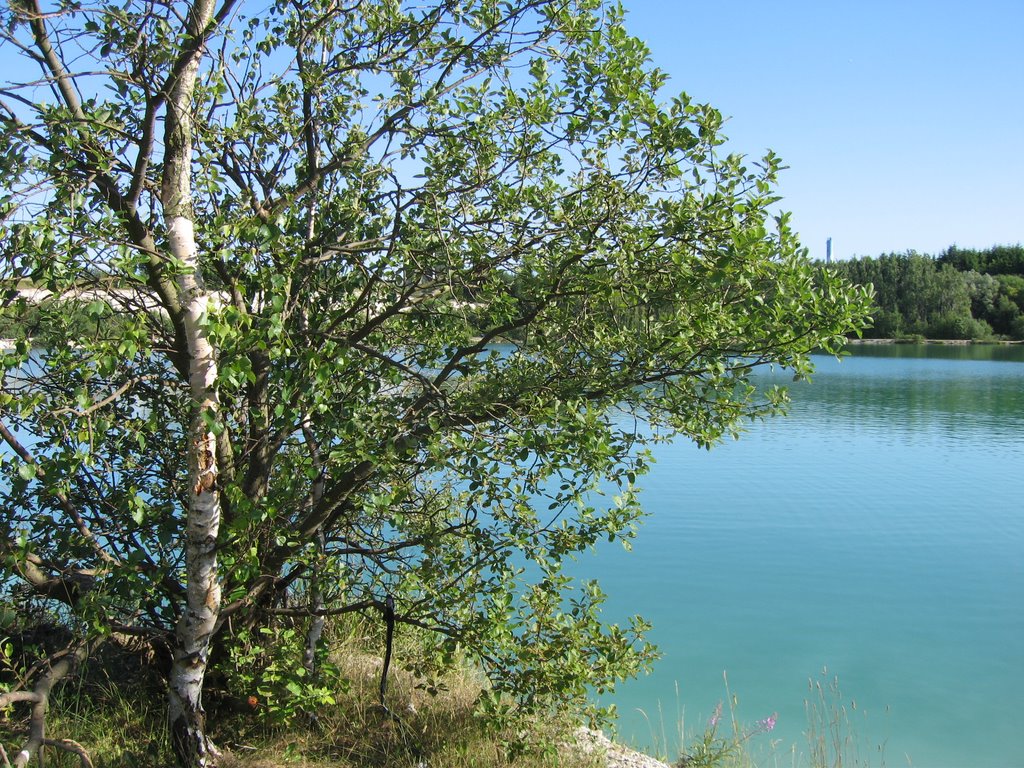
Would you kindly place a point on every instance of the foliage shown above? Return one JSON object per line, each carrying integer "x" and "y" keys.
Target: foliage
{"x": 263, "y": 674}
{"x": 960, "y": 295}
{"x": 401, "y": 293}
{"x": 997, "y": 260}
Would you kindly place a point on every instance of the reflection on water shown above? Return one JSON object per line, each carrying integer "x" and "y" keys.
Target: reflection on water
{"x": 1012, "y": 353}
{"x": 877, "y": 531}
{"x": 871, "y": 392}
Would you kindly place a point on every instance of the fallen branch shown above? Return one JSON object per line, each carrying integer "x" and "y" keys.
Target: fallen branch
{"x": 39, "y": 697}
{"x": 71, "y": 746}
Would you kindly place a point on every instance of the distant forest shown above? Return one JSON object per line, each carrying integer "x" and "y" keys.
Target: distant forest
{"x": 960, "y": 294}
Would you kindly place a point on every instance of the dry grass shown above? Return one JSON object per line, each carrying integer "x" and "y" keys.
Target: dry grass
{"x": 426, "y": 729}
{"x": 121, "y": 724}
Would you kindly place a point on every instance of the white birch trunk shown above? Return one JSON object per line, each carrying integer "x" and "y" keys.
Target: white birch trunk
{"x": 199, "y": 617}
{"x": 203, "y": 597}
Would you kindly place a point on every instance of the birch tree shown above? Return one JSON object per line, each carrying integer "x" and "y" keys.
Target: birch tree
{"x": 395, "y": 293}
{"x": 201, "y": 611}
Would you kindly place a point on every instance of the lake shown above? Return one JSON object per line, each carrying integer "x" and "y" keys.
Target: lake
{"x": 877, "y": 532}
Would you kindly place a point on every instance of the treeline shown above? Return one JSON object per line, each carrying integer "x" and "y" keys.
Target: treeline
{"x": 961, "y": 294}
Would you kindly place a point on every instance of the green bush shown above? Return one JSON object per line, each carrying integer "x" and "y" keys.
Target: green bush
{"x": 267, "y": 674}
{"x": 964, "y": 327}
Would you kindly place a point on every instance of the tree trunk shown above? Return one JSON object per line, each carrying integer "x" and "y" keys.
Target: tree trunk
{"x": 198, "y": 620}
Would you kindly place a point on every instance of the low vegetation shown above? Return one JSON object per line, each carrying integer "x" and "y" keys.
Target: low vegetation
{"x": 109, "y": 713}
{"x": 112, "y": 708}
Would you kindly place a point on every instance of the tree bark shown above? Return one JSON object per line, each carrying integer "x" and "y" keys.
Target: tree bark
{"x": 198, "y": 621}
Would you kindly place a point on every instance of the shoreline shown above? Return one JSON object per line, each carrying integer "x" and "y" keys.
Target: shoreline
{"x": 937, "y": 342}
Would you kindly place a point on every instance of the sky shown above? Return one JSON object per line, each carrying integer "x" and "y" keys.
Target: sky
{"x": 901, "y": 121}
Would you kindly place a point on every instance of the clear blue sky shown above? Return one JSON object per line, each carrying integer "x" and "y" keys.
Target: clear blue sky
{"x": 902, "y": 121}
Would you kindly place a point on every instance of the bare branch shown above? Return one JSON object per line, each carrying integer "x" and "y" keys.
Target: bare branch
{"x": 71, "y": 746}
{"x": 39, "y": 697}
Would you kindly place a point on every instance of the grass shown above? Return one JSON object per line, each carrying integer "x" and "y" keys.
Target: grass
{"x": 115, "y": 708}
{"x": 832, "y": 732}
{"x": 726, "y": 741}
{"x": 723, "y": 741}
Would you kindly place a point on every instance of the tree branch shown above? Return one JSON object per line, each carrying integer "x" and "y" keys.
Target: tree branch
{"x": 39, "y": 697}
{"x": 65, "y": 503}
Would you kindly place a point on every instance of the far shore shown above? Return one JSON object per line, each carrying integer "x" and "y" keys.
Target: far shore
{"x": 945, "y": 342}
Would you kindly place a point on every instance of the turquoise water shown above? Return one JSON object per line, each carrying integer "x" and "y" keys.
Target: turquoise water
{"x": 877, "y": 531}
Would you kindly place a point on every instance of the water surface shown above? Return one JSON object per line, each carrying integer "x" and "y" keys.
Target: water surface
{"x": 877, "y": 531}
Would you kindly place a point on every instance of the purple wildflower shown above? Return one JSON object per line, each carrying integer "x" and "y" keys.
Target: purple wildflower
{"x": 713, "y": 720}
{"x": 766, "y": 725}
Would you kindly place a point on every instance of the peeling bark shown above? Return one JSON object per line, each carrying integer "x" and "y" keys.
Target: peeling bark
{"x": 201, "y": 614}
{"x": 199, "y": 618}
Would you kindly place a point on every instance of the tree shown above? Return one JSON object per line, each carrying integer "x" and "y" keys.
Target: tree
{"x": 388, "y": 292}
{"x": 997, "y": 260}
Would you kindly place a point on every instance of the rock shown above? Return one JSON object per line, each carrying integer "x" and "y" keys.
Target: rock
{"x": 590, "y": 741}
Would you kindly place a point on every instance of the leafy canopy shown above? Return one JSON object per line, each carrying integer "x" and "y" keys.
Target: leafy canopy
{"x": 465, "y": 259}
